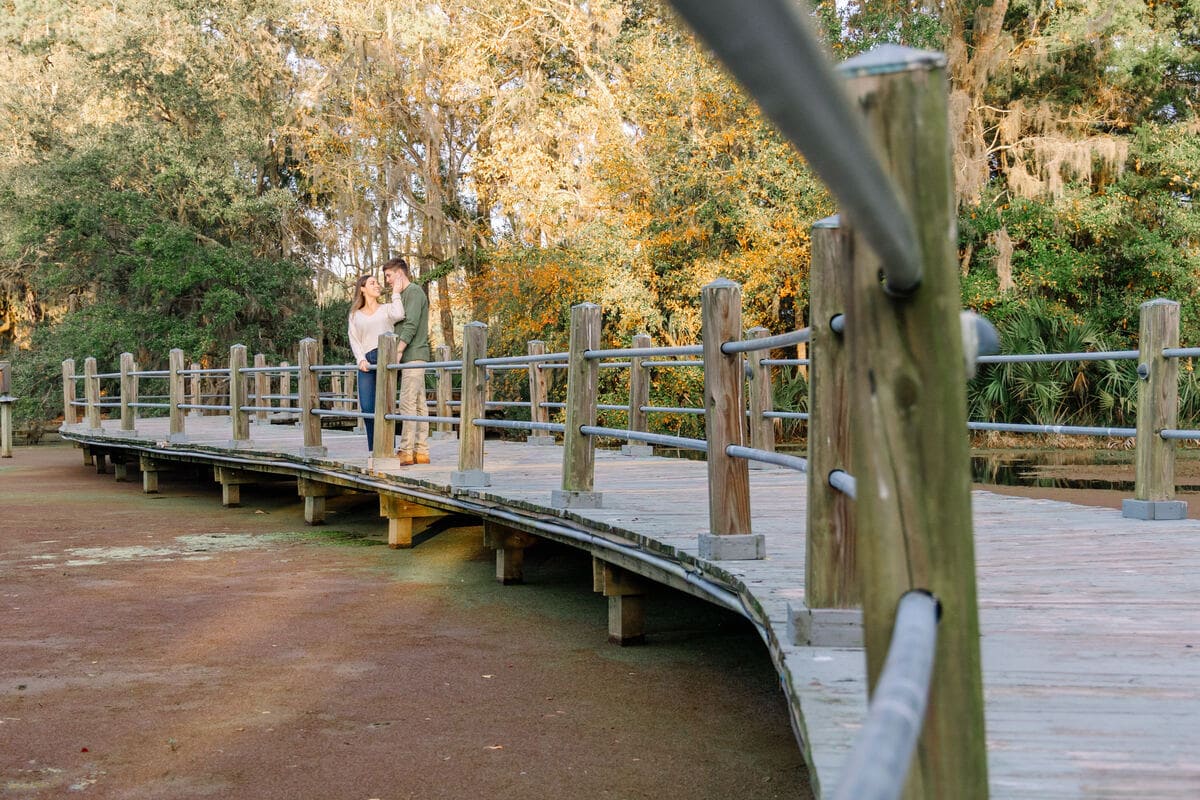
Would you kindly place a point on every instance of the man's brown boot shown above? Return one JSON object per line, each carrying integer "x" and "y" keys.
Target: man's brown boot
{"x": 422, "y": 458}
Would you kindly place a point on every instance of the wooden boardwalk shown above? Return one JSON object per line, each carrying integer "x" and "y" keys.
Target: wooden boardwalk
{"x": 1090, "y": 622}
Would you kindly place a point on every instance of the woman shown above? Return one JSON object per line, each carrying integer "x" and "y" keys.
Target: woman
{"x": 368, "y": 320}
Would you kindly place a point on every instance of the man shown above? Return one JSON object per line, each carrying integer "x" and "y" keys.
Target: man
{"x": 413, "y": 347}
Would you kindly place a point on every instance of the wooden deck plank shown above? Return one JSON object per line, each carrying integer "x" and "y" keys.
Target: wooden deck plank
{"x": 1090, "y": 622}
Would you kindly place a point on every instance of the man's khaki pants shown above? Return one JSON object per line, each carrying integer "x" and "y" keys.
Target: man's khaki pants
{"x": 413, "y": 435}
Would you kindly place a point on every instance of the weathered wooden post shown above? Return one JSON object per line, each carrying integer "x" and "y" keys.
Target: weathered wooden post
{"x": 444, "y": 394}
{"x": 762, "y": 428}
{"x": 1157, "y": 410}
{"x": 175, "y": 396}
{"x": 128, "y": 393}
{"x": 6, "y": 401}
{"x": 285, "y": 385}
{"x": 383, "y": 449}
{"x": 473, "y": 395}
{"x": 639, "y": 398}
{"x": 239, "y": 418}
{"x": 91, "y": 393}
{"x": 729, "y": 536}
{"x": 310, "y": 398}
{"x": 262, "y": 388}
{"x": 70, "y": 411}
{"x": 832, "y": 590}
{"x": 537, "y": 396}
{"x": 583, "y": 382}
{"x": 908, "y": 419}
{"x": 194, "y": 383}
{"x": 337, "y": 390}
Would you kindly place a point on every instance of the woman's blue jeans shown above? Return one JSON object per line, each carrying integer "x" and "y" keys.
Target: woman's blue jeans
{"x": 366, "y": 397}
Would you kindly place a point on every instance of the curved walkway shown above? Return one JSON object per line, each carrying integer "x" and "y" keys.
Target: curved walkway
{"x": 1090, "y": 622}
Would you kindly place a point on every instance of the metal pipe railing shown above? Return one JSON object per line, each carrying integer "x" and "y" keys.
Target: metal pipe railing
{"x": 878, "y": 765}
{"x": 1069, "y": 430}
{"x": 1038, "y": 358}
{"x": 767, "y": 457}
{"x": 660, "y": 439}
{"x": 767, "y": 342}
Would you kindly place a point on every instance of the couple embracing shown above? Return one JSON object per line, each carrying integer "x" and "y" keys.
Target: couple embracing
{"x": 408, "y": 313}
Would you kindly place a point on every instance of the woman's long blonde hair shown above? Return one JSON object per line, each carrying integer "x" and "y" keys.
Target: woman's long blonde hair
{"x": 360, "y": 299}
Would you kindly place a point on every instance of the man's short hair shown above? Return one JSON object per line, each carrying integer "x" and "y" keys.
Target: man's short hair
{"x": 397, "y": 263}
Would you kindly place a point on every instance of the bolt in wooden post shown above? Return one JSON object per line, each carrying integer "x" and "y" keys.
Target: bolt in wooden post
{"x": 262, "y": 388}
{"x": 474, "y": 399}
{"x": 383, "y": 448}
{"x": 310, "y": 398}
{"x": 831, "y": 561}
{"x": 908, "y": 420}
{"x": 444, "y": 392}
{"x": 128, "y": 392}
{"x": 239, "y": 419}
{"x": 729, "y": 536}
{"x": 583, "y": 382}
{"x": 91, "y": 393}
{"x": 762, "y": 428}
{"x": 175, "y": 396}
{"x": 537, "y": 396}
{"x": 639, "y": 398}
{"x": 1157, "y": 410}
{"x": 194, "y": 383}
{"x": 70, "y": 412}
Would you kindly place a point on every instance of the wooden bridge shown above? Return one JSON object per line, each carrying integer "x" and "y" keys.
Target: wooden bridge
{"x": 1065, "y": 662}
{"x": 1090, "y": 622}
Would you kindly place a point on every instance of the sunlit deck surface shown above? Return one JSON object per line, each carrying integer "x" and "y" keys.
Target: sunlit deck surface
{"x": 1090, "y": 622}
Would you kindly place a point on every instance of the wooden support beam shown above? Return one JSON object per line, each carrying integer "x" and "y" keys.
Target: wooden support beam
{"x": 383, "y": 449}
{"x": 762, "y": 428}
{"x": 625, "y": 591}
{"x": 509, "y": 544}
{"x": 262, "y": 388}
{"x": 194, "y": 384}
{"x": 444, "y": 394}
{"x": 101, "y": 458}
{"x": 314, "y": 494}
{"x": 149, "y": 475}
{"x": 401, "y": 515}
{"x": 231, "y": 481}
{"x": 639, "y": 398}
{"x": 91, "y": 393}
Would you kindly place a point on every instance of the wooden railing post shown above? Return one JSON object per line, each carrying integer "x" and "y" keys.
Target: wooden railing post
{"x": 175, "y": 396}
{"x": 1157, "y": 410}
{"x": 762, "y": 428}
{"x": 128, "y": 393}
{"x": 91, "y": 393}
{"x": 262, "y": 388}
{"x": 239, "y": 419}
{"x": 383, "y": 449}
{"x": 285, "y": 385}
{"x": 443, "y": 393}
{"x": 310, "y": 398}
{"x": 583, "y": 383}
{"x": 729, "y": 536}
{"x": 639, "y": 398}
{"x": 70, "y": 411}
{"x": 6, "y": 401}
{"x": 908, "y": 420}
{"x": 830, "y": 614}
{"x": 474, "y": 404}
{"x": 537, "y": 395}
{"x": 194, "y": 384}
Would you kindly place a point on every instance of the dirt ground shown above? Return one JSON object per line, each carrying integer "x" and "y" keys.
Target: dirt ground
{"x": 165, "y": 647}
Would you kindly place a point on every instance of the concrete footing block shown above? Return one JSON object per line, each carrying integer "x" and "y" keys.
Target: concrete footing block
{"x": 561, "y": 498}
{"x": 637, "y": 450}
{"x": 1154, "y": 509}
{"x": 825, "y": 627}
{"x": 540, "y": 440}
{"x": 470, "y": 479}
{"x": 736, "y": 547}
